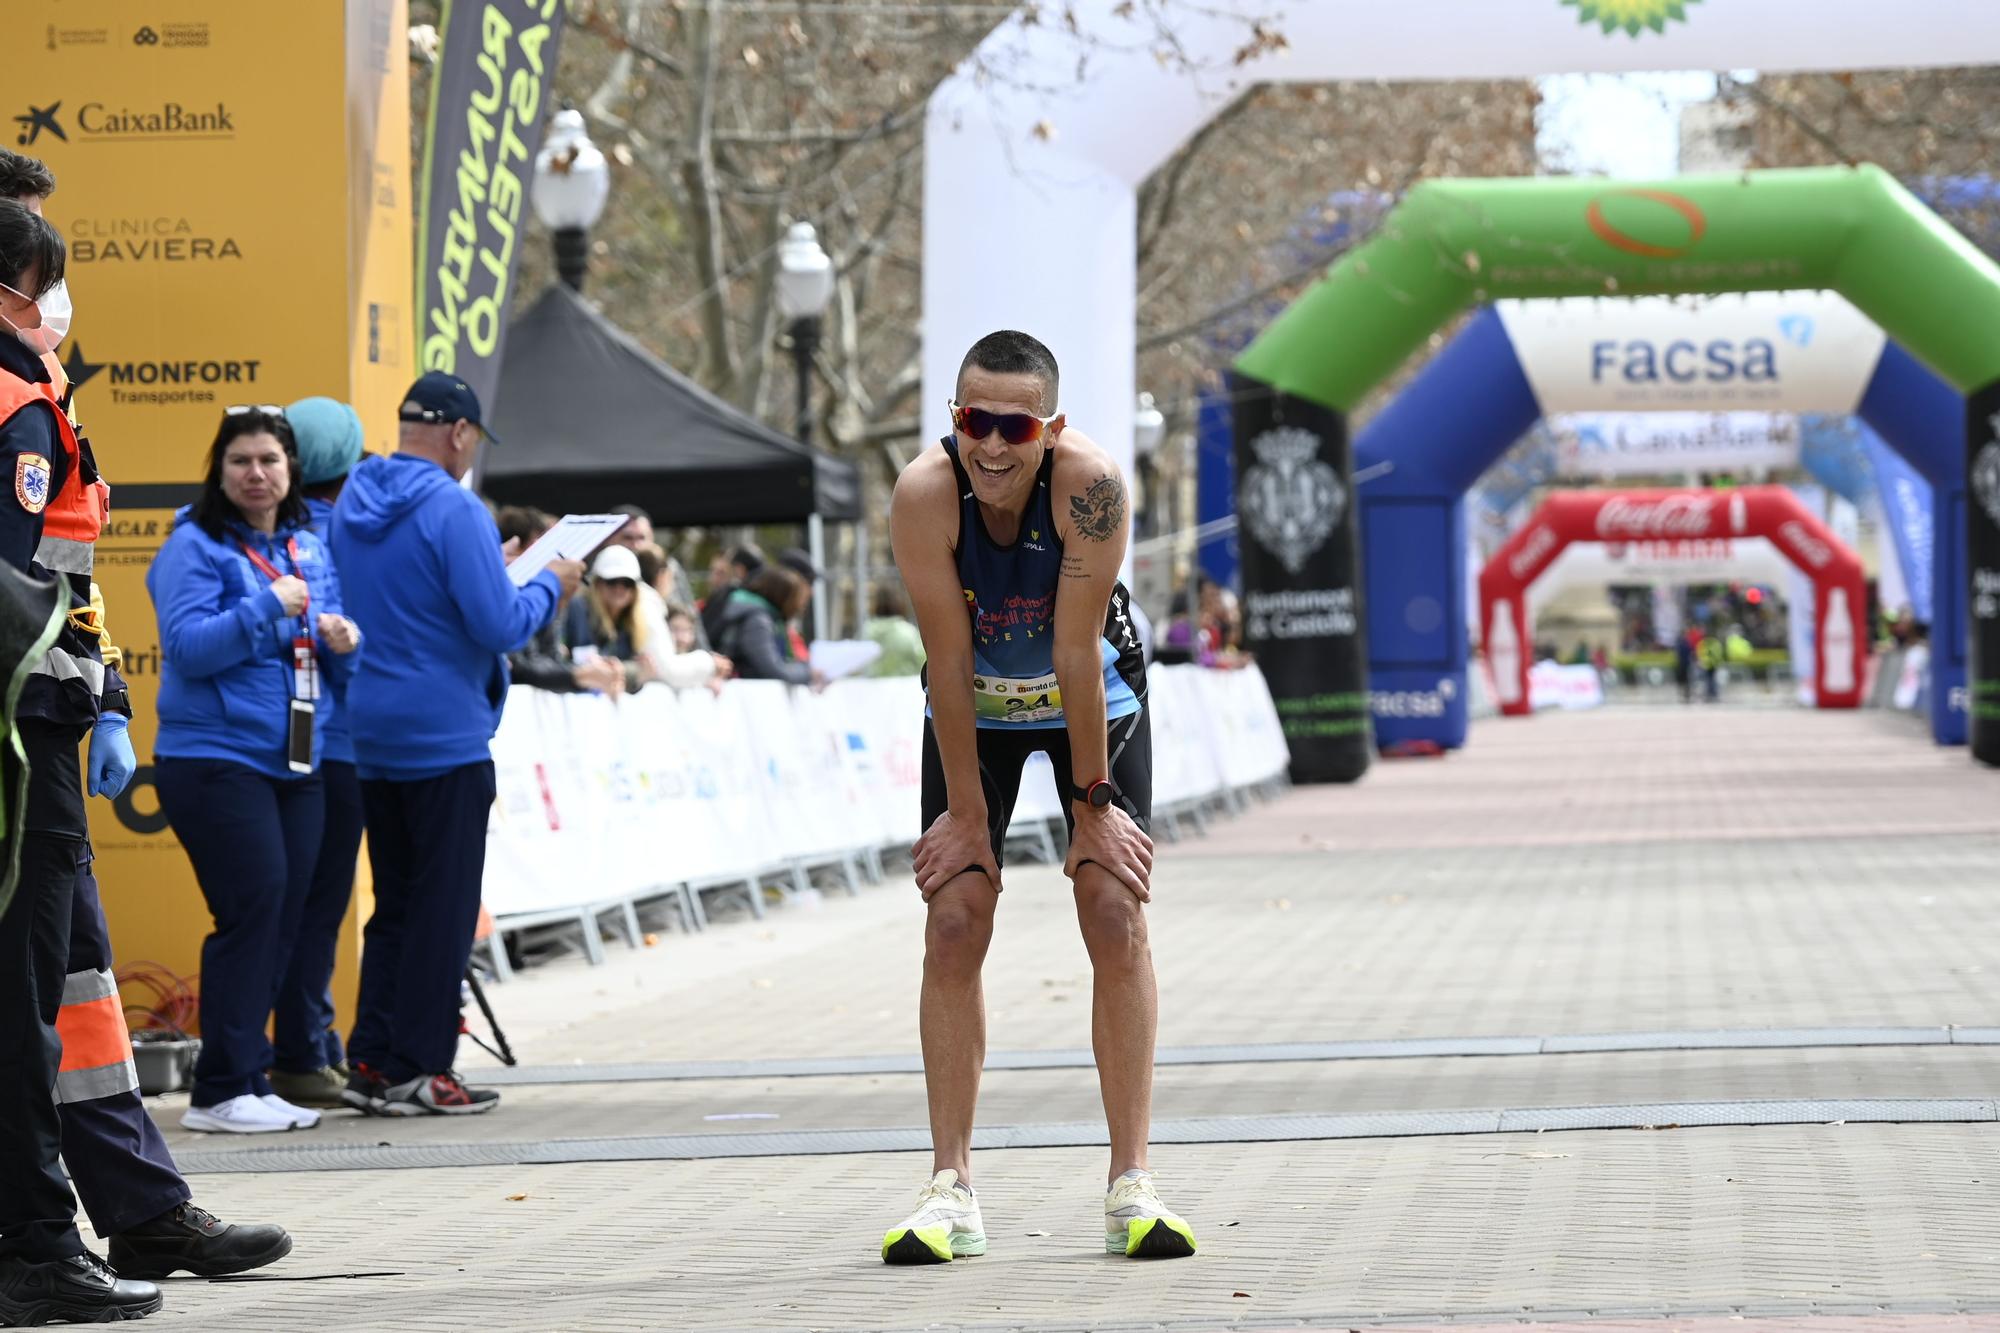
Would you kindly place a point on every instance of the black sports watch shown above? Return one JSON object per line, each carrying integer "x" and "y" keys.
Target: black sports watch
{"x": 1097, "y": 795}
{"x": 116, "y": 701}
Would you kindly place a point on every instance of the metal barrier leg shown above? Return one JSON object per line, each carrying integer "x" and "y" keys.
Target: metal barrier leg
{"x": 692, "y": 917}
{"x": 1048, "y": 841}
{"x": 754, "y": 886}
{"x": 496, "y": 951}
{"x": 873, "y": 858}
{"x": 850, "y": 870}
{"x": 634, "y": 937}
{"x": 593, "y": 941}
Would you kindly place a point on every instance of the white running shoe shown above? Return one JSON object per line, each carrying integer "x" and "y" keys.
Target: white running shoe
{"x": 946, "y": 1226}
{"x": 239, "y": 1115}
{"x": 300, "y": 1117}
{"x": 1136, "y": 1223}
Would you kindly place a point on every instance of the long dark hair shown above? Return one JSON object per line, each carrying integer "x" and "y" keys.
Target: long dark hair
{"x": 212, "y": 509}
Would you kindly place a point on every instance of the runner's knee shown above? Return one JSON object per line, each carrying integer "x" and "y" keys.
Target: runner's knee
{"x": 959, "y": 930}
{"x": 1114, "y": 923}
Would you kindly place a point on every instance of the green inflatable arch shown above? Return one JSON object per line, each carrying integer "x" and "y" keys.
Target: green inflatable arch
{"x": 1454, "y": 244}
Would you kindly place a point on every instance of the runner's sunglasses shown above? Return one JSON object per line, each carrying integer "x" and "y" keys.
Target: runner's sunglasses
{"x": 976, "y": 423}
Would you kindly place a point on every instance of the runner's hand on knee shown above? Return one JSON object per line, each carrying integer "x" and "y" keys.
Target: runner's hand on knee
{"x": 1111, "y": 838}
{"x": 952, "y": 845}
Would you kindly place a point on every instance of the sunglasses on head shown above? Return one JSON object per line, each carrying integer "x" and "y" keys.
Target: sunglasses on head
{"x": 244, "y": 409}
{"x": 976, "y": 423}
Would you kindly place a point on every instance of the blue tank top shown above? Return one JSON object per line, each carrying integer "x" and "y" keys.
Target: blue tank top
{"x": 1010, "y": 593}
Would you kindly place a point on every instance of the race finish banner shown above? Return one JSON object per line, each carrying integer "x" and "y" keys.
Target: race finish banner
{"x": 1302, "y": 613}
{"x": 1982, "y": 542}
{"x": 238, "y": 225}
{"x": 495, "y": 65}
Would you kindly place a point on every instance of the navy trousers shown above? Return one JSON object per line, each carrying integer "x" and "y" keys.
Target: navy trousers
{"x": 37, "y": 1210}
{"x": 254, "y": 841}
{"x": 115, "y": 1155}
{"x": 427, "y": 848}
{"x": 303, "y": 1028}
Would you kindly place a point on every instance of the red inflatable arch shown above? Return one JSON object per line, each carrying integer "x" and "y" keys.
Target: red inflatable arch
{"x": 1840, "y": 599}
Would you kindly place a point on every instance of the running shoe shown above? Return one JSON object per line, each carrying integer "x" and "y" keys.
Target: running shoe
{"x": 366, "y": 1089}
{"x": 1137, "y": 1224}
{"x": 946, "y": 1226}
{"x": 438, "y": 1094}
{"x": 239, "y": 1115}
{"x": 324, "y": 1088}
{"x": 300, "y": 1117}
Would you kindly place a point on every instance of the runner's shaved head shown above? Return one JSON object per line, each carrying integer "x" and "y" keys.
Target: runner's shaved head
{"x": 1011, "y": 352}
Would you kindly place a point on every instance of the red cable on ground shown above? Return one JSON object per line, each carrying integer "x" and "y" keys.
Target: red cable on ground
{"x": 175, "y": 1004}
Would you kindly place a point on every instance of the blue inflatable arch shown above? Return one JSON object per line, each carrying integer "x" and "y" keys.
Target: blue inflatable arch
{"x": 1417, "y": 459}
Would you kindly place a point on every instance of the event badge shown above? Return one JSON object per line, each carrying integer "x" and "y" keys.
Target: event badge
{"x": 305, "y": 672}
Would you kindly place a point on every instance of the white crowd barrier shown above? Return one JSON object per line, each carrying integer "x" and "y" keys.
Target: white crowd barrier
{"x": 603, "y": 804}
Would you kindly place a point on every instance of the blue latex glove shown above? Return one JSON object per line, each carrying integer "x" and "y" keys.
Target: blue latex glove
{"x": 112, "y": 762}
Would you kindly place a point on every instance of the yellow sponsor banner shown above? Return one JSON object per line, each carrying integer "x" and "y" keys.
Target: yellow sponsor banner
{"x": 234, "y": 190}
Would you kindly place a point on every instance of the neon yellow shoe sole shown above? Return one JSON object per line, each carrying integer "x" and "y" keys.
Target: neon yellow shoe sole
{"x": 1152, "y": 1238}
{"x": 930, "y": 1245}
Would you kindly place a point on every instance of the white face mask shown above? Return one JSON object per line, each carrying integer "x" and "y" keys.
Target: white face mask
{"x": 54, "y": 311}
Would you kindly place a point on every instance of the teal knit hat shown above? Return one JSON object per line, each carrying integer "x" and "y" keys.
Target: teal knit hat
{"x": 329, "y": 436}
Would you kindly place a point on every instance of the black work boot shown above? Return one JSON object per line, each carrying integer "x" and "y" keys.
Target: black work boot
{"x": 70, "y": 1291}
{"x": 193, "y": 1239}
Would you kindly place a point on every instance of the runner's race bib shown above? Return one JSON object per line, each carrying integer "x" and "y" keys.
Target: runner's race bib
{"x": 1008, "y": 699}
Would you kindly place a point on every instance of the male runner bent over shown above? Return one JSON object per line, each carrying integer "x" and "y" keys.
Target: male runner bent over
{"x": 1009, "y": 538}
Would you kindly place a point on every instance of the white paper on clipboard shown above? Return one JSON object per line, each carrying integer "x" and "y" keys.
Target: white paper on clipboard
{"x": 572, "y": 538}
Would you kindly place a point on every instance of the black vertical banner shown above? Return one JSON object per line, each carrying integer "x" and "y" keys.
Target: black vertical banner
{"x": 1982, "y": 546}
{"x": 1302, "y": 613}
{"x": 489, "y": 100}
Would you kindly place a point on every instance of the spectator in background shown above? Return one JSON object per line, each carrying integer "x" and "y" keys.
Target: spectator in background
{"x": 251, "y": 620}
{"x": 753, "y": 628}
{"x": 800, "y": 563}
{"x": 424, "y": 561}
{"x": 734, "y": 572}
{"x": 1185, "y": 640}
{"x": 311, "y": 1063}
{"x": 605, "y": 621}
{"x": 685, "y": 629}
{"x": 891, "y": 627}
{"x": 679, "y": 667}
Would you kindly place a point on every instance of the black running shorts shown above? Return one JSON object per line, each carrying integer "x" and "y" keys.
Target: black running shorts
{"x": 1002, "y": 754}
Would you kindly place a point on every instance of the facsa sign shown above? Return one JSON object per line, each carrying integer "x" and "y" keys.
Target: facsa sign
{"x": 1758, "y": 351}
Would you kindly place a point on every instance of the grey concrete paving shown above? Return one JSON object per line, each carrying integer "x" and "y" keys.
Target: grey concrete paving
{"x": 1623, "y": 871}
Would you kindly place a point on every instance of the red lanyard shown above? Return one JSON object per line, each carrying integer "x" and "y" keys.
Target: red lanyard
{"x": 271, "y": 572}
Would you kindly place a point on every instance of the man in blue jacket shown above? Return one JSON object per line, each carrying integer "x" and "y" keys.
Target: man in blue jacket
{"x": 430, "y": 584}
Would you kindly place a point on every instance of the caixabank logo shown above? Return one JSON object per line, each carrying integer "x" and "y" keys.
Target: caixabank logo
{"x": 105, "y": 122}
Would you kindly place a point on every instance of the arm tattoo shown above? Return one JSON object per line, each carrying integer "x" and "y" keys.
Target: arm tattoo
{"x": 1098, "y": 511}
{"x": 1073, "y": 567}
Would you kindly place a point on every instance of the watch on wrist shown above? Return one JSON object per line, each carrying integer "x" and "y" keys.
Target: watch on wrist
{"x": 116, "y": 701}
{"x": 1097, "y": 795}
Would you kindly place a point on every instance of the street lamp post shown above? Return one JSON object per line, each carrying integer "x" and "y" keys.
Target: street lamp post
{"x": 804, "y": 286}
{"x": 571, "y": 185}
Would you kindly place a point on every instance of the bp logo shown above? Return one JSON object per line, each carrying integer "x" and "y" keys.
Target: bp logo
{"x": 1986, "y": 474}
{"x": 1632, "y": 15}
{"x": 1291, "y": 499}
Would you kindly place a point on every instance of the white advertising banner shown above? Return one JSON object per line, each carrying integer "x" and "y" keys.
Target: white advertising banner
{"x": 1623, "y": 444}
{"x": 1808, "y": 351}
{"x": 1672, "y": 563}
{"x": 601, "y": 802}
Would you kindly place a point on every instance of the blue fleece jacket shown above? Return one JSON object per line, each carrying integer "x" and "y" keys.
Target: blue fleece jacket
{"x": 421, "y": 557}
{"x": 336, "y": 746}
{"x": 226, "y": 644}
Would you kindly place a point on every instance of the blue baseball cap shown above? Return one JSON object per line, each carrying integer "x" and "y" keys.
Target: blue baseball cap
{"x": 440, "y": 399}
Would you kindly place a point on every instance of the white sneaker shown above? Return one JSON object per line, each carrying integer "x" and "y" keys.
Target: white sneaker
{"x": 1136, "y": 1223}
{"x": 300, "y": 1117}
{"x": 239, "y": 1115}
{"x": 946, "y": 1226}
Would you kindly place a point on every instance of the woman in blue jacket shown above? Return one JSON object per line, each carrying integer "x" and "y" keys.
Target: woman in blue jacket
{"x": 252, "y": 635}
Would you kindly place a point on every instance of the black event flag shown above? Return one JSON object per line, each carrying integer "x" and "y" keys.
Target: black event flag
{"x": 489, "y": 102}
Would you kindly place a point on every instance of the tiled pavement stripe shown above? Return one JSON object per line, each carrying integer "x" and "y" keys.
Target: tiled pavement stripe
{"x": 1733, "y": 1039}
{"x": 1210, "y": 1130}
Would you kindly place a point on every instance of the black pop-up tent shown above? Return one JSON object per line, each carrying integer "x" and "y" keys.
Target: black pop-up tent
{"x": 589, "y": 420}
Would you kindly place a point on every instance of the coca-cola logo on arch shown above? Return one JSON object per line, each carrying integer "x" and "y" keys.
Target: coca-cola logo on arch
{"x": 1668, "y": 517}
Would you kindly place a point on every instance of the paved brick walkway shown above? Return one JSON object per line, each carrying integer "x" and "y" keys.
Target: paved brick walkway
{"x": 1624, "y": 871}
